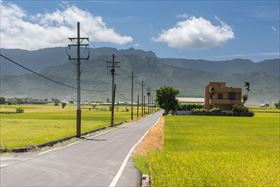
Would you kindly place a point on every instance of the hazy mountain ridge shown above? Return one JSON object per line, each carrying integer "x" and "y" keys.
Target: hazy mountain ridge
{"x": 189, "y": 76}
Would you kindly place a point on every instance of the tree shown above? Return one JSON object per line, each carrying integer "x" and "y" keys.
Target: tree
{"x": 166, "y": 98}
{"x": 2, "y": 100}
{"x": 277, "y": 105}
{"x": 55, "y": 101}
{"x": 247, "y": 86}
{"x": 63, "y": 104}
{"x": 245, "y": 96}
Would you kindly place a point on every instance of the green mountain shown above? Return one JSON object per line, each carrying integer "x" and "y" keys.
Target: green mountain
{"x": 189, "y": 76}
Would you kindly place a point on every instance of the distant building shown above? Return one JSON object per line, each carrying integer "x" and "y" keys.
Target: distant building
{"x": 218, "y": 95}
{"x": 190, "y": 100}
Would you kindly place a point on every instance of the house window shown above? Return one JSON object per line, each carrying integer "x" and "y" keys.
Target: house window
{"x": 220, "y": 96}
{"x": 232, "y": 96}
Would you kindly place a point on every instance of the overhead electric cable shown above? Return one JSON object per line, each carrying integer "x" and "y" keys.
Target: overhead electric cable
{"x": 45, "y": 77}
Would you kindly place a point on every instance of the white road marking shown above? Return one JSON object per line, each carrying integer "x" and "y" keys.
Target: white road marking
{"x": 119, "y": 173}
{"x": 3, "y": 165}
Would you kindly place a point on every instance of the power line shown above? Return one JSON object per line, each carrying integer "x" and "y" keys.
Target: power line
{"x": 47, "y": 78}
{"x": 123, "y": 96}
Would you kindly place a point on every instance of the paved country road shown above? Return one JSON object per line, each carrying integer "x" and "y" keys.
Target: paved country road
{"x": 102, "y": 160}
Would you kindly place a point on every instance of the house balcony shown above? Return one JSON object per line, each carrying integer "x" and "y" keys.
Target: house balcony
{"x": 224, "y": 102}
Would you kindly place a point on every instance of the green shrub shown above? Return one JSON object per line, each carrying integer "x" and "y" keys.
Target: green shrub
{"x": 19, "y": 110}
{"x": 63, "y": 105}
{"x": 185, "y": 107}
{"x": 277, "y": 105}
{"x": 240, "y": 110}
{"x": 215, "y": 110}
{"x": 228, "y": 113}
{"x": 199, "y": 111}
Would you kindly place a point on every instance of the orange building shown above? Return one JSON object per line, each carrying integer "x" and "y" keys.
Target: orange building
{"x": 218, "y": 95}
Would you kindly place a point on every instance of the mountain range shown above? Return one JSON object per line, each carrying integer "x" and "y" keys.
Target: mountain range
{"x": 188, "y": 75}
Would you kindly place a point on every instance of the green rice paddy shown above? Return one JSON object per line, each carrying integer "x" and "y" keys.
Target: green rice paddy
{"x": 42, "y": 123}
{"x": 217, "y": 151}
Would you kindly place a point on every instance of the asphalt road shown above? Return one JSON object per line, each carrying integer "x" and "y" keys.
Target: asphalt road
{"x": 103, "y": 160}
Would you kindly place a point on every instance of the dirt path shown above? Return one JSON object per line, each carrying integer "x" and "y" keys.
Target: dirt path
{"x": 153, "y": 140}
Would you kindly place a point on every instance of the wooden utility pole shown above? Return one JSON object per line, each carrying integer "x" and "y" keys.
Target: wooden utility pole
{"x": 113, "y": 65}
{"x": 77, "y": 60}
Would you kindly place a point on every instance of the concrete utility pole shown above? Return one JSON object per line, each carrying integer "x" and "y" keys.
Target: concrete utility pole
{"x": 113, "y": 65}
{"x": 152, "y": 105}
{"x": 78, "y": 43}
{"x": 149, "y": 94}
{"x": 137, "y": 106}
{"x": 144, "y": 106}
{"x": 132, "y": 77}
{"x": 142, "y": 87}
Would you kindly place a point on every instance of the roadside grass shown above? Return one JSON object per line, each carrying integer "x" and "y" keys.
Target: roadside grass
{"x": 217, "y": 151}
{"x": 42, "y": 123}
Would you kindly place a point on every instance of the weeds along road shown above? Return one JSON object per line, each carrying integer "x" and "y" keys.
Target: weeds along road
{"x": 102, "y": 160}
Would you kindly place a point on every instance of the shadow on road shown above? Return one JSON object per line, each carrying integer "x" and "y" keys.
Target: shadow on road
{"x": 93, "y": 139}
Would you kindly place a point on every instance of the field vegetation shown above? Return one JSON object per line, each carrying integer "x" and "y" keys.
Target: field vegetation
{"x": 42, "y": 123}
{"x": 217, "y": 151}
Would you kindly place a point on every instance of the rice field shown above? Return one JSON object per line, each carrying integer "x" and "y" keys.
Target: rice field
{"x": 217, "y": 151}
{"x": 42, "y": 123}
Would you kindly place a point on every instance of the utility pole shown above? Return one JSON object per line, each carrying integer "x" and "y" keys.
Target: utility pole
{"x": 142, "y": 87}
{"x": 78, "y": 43}
{"x": 144, "y": 106}
{"x": 113, "y": 65}
{"x": 132, "y": 79}
{"x": 148, "y": 94}
{"x": 152, "y": 105}
{"x": 137, "y": 106}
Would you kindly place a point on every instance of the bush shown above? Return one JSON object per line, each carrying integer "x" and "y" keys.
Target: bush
{"x": 228, "y": 113}
{"x": 199, "y": 111}
{"x": 19, "y": 110}
{"x": 277, "y": 105}
{"x": 63, "y": 105}
{"x": 185, "y": 107}
{"x": 240, "y": 110}
{"x": 215, "y": 110}
{"x": 2, "y": 100}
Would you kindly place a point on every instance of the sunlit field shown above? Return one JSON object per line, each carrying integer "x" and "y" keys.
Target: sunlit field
{"x": 42, "y": 123}
{"x": 217, "y": 151}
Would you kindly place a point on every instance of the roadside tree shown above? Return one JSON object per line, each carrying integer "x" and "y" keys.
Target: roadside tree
{"x": 166, "y": 98}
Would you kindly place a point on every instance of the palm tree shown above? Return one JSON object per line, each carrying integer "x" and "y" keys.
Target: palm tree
{"x": 247, "y": 86}
{"x": 245, "y": 96}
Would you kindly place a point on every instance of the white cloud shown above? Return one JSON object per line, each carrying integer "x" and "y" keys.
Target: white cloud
{"x": 182, "y": 16}
{"x": 196, "y": 33}
{"x": 274, "y": 29}
{"x": 269, "y": 54}
{"x": 136, "y": 45}
{"x": 22, "y": 30}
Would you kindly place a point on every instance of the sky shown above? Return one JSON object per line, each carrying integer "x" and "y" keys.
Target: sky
{"x": 212, "y": 30}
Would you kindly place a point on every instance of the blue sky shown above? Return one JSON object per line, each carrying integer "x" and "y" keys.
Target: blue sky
{"x": 213, "y": 30}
